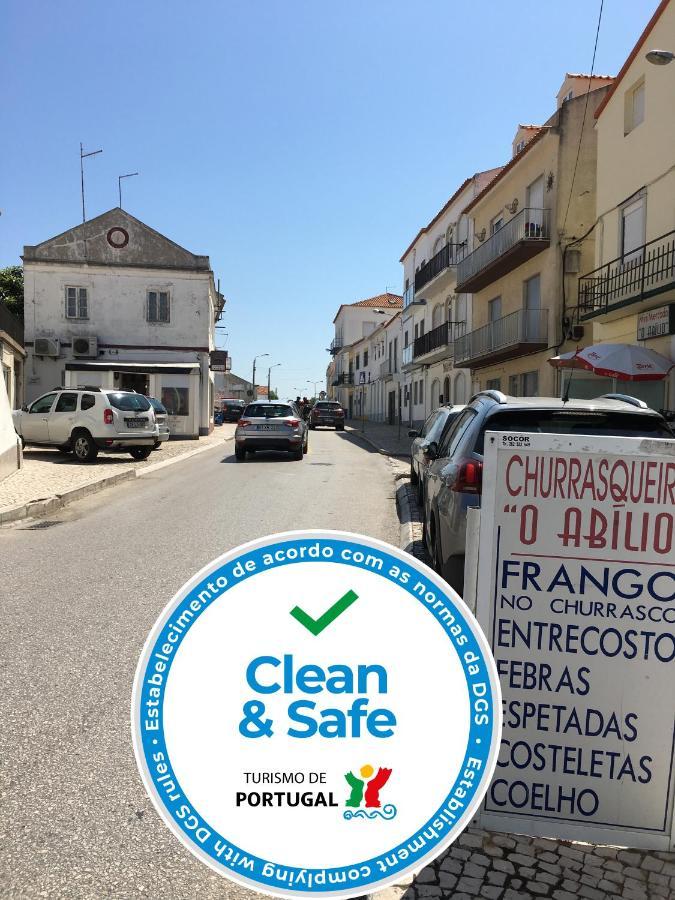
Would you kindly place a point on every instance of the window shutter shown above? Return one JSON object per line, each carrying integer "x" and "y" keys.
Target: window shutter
{"x": 152, "y": 306}
{"x": 83, "y": 310}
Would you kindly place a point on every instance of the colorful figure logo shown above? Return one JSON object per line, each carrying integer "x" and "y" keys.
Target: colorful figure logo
{"x": 372, "y": 790}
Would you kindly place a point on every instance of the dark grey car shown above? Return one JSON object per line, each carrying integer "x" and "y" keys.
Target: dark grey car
{"x": 432, "y": 430}
{"x": 454, "y": 478}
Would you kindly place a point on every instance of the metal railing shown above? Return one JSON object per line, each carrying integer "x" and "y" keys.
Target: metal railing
{"x": 407, "y": 355}
{"x": 343, "y": 378}
{"x": 447, "y": 256}
{"x": 628, "y": 279}
{"x": 528, "y": 225}
{"x": 335, "y": 346}
{"x": 408, "y": 295}
{"x": 525, "y": 326}
{"x": 10, "y": 324}
{"x": 432, "y": 340}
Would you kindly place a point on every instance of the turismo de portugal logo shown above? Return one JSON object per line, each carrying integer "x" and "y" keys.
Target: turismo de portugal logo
{"x": 316, "y": 713}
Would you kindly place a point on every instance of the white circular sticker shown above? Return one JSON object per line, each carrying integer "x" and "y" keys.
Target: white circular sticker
{"x": 316, "y": 713}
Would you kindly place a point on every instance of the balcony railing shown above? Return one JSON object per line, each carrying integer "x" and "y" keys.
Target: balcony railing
{"x": 407, "y": 355}
{"x": 432, "y": 340}
{"x": 335, "y": 346}
{"x": 523, "y": 331}
{"x": 447, "y": 256}
{"x": 526, "y": 234}
{"x": 11, "y": 325}
{"x": 645, "y": 272}
{"x": 408, "y": 295}
{"x": 343, "y": 378}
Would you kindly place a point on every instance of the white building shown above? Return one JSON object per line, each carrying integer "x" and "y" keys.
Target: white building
{"x": 433, "y": 313}
{"x": 354, "y": 322}
{"x": 113, "y": 303}
{"x": 12, "y": 356}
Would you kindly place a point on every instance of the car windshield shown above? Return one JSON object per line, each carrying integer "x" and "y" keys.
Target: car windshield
{"x": 572, "y": 421}
{"x": 267, "y": 411}
{"x": 157, "y": 406}
{"x": 326, "y": 405}
{"x": 129, "y": 402}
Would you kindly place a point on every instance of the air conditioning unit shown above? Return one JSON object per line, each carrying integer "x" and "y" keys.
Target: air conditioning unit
{"x": 571, "y": 331}
{"x": 46, "y": 347}
{"x": 85, "y": 346}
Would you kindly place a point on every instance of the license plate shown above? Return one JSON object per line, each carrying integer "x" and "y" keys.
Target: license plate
{"x": 269, "y": 427}
{"x": 136, "y": 423}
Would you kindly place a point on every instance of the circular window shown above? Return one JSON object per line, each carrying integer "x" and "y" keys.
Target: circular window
{"x": 118, "y": 237}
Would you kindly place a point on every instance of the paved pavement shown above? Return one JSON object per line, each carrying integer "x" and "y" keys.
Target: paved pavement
{"x": 47, "y": 473}
{"x": 79, "y": 598}
{"x": 389, "y": 439}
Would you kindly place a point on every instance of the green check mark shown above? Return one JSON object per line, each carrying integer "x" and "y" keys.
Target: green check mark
{"x": 316, "y": 626}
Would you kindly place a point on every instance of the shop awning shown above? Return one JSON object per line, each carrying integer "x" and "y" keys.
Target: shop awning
{"x": 154, "y": 368}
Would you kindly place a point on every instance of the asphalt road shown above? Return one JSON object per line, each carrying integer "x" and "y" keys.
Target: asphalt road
{"x": 79, "y": 598}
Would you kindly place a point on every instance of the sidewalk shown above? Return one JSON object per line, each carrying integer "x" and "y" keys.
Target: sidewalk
{"x": 48, "y": 476}
{"x": 387, "y": 439}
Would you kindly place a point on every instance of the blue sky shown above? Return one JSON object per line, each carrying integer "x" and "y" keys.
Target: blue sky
{"x": 300, "y": 143}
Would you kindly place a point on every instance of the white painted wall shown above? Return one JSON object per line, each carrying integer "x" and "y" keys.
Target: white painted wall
{"x": 10, "y": 447}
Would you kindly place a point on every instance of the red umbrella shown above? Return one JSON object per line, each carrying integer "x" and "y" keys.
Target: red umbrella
{"x": 626, "y": 362}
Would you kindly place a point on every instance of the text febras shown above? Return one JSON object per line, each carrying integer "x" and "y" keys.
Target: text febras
{"x": 272, "y": 675}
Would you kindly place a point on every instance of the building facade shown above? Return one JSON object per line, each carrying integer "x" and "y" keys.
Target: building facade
{"x": 628, "y": 294}
{"x": 434, "y": 312}
{"x": 12, "y": 357}
{"x": 519, "y": 268}
{"x": 113, "y": 303}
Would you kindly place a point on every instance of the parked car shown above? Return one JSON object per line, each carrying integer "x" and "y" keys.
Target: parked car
{"x": 162, "y": 419}
{"x": 439, "y": 420}
{"x": 86, "y": 421}
{"x": 271, "y": 426}
{"x": 327, "y": 412}
{"x": 231, "y": 409}
{"x": 454, "y": 478}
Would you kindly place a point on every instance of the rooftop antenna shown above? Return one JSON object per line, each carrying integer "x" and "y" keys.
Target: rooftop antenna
{"x": 83, "y": 156}
{"x": 119, "y": 184}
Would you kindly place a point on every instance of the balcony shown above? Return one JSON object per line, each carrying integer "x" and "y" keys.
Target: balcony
{"x": 408, "y": 296}
{"x": 11, "y": 325}
{"x": 521, "y": 332}
{"x": 436, "y": 339}
{"x": 345, "y": 378}
{"x": 527, "y": 234}
{"x": 446, "y": 258}
{"x": 335, "y": 346}
{"x": 407, "y": 355}
{"x": 385, "y": 369}
{"x": 646, "y": 272}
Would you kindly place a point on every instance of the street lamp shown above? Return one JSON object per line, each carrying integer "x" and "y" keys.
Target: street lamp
{"x": 260, "y": 356}
{"x": 314, "y": 383}
{"x": 660, "y": 57}
{"x": 269, "y": 371}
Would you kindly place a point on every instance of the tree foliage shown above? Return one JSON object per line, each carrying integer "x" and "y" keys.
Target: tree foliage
{"x": 11, "y": 289}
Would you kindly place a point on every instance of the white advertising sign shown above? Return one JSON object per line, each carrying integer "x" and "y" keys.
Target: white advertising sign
{"x": 316, "y": 713}
{"x": 576, "y": 591}
{"x": 653, "y": 323}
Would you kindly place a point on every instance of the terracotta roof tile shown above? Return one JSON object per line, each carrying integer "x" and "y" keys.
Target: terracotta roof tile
{"x": 581, "y": 75}
{"x": 381, "y": 301}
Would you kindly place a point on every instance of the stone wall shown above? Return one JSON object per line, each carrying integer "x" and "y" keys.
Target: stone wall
{"x": 514, "y": 867}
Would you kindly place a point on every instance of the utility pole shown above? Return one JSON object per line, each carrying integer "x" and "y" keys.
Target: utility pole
{"x": 269, "y": 373}
{"x": 260, "y": 355}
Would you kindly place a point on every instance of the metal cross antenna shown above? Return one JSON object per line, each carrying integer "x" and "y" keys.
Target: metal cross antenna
{"x": 119, "y": 183}
{"x": 83, "y": 156}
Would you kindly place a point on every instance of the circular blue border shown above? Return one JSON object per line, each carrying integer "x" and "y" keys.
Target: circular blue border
{"x": 479, "y": 745}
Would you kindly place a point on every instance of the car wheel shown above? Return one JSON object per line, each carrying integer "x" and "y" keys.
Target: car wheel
{"x": 297, "y": 454}
{"x": 239, "y": 453}
{"x": 140, "y": 453}
{"x": 84, "y": 448}
{"x": 339, "y": 427}
{"x": 413, "y": 474}
{"x": 157, "y": 445}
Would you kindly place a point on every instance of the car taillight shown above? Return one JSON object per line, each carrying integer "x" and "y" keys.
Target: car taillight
{"x": 242, "y": 423}
{"x": 107, "y": 416}
{"x": 339, "y": 412}
{"x": 294, "y": 422}
{"x": 469, "y": 477}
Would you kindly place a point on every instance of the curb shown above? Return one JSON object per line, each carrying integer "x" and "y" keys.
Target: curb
{"x": 44, "y": 505}
{"x": 406, "y": 513}
{"x": 373, "y": 444}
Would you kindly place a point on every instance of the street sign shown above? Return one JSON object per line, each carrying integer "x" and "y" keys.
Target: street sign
{"x": 656, "y": 322}
{"x": 576, "y": 591}
{"x": 286, "y": 736}
{"x": 219, "y": 361}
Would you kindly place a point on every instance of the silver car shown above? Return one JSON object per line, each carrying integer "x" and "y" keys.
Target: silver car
{"x": 439, "y": 421}
{"x": 271, "y": 426}
{"x": 162, "y": 419}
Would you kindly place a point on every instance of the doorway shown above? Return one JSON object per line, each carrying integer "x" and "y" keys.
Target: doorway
{"x": 391, "y": 408}
{"x": 134, "y": 381}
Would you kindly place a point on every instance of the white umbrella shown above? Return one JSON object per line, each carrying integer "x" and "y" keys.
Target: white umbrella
{"x": 626, "y": 362}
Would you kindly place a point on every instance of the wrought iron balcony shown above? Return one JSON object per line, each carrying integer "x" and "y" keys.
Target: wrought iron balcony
{"x": 335, "y": 346}
{"x": 11, "y": 325}
{"x": 525, "y": 235}
{"x": 636, "y": 276}
{"x": 523, "y": 331}
{"x": 447, "y": 256}
{"x": 345, "y": 378}
{"x": 432, "y": 340}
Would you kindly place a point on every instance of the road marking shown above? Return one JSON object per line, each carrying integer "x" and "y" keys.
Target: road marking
{"x": 316, "y": 626}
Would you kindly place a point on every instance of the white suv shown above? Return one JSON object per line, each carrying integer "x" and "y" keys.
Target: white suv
{"x": 85, "y": 421}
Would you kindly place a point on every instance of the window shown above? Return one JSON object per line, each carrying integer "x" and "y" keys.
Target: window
{"x": 568, "y": 96}
{"x": 493, "y": 384}
{"x": 77, "y": 306}
{"x": 176, "y": 400}
{"x": 634, "y": 106}
{"x": 421, "y": 391}
{"x": 417, "y": 330}
{"x": 414, "y": 393}
{"x": 87, "y": 401}
{"x": 496, "y": 223}
{"x": 519, "y": 146}
{"x": 405, "y": 338}
{"x": 632, "y": 235}
{"x": 495, "y": 309}
{"x": 428, "y": 425}
{"x": 452, "y": 436}
{"x": 66, "y": 403}
{"x": 43, "y": 404}
{"x": 128, "y": 402}
{"x": 365, "y": 358}
{"x": 422, "y": 328}
{"x": 395, "y": 354}
{"x": 358, "y": 361}
{"x": 158, "y": 306}
{"x": 261, "y": 410}
{"x": 524, "y": 385}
